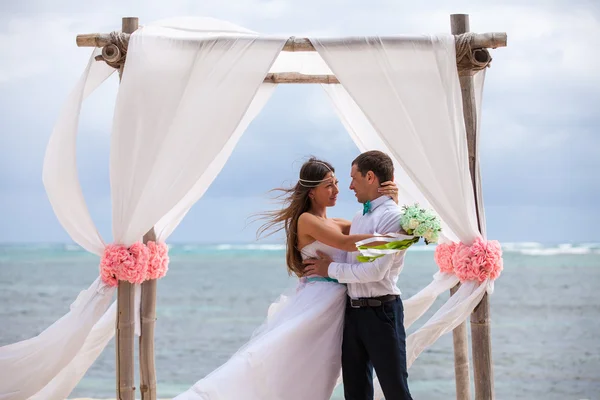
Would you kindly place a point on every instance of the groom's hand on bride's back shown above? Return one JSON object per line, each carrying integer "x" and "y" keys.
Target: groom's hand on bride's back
{"x": 317, "y": 266}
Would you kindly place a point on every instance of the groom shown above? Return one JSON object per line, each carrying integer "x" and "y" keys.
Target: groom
{"x": 374, "y": 333}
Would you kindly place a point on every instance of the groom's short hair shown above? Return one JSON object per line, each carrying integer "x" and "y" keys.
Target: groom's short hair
{"x": 377, "y": 161}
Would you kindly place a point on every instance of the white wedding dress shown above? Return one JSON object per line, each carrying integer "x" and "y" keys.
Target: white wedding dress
{"x": 294, "y": 355}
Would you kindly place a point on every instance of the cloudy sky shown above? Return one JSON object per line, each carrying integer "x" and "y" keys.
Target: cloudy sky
{"x": 540, "y": 146}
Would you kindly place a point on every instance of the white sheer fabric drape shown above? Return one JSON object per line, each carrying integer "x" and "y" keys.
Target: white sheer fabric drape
{"x": 60, "y": 176}
{"x": 469, "y": 295}
{"x": 409, "y": 92}
{"x": 28, "y": 365}
{"x": 366, "y": 138}
{"x": 181, "y": 108}
{"x": 104, "y": 330}
{"x": 478, "y": 83}
{"x": 63, "y": 384}
{"x": 182, "y": 96}
{"x": 169, "y": 222}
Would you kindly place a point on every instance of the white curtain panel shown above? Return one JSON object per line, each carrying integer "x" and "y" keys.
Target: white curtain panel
{"x": 209, "y": 27}
{"x": 61, "y": 386}
{"x": 478, "y": 83}
{"x": 173, "y": 218}
{"x": 409, "y": 92}
{"x": 460, "y": 306}
{"x": 28, "y": 365}
{"x": 182, "y": 96}
{"x": 104, "y": 330}
{"x": 419, "y": 303}
{"x": 60, "y": 176}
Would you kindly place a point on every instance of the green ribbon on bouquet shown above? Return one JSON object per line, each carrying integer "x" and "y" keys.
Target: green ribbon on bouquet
{"x": 369, "y": 254}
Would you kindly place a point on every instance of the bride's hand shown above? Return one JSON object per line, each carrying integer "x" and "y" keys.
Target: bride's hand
{"x": 389, "y": 188}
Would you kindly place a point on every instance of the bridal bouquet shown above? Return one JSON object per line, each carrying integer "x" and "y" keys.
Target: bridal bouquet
{"x": 420, "y": 222}
{"x": 394, "y": 242}
{"x": 416, "y": 223}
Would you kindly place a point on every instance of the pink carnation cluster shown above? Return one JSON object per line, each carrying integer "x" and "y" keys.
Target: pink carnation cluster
{"x": 159, "y": 260}
{"x": 478, "y": 262}
{"x": 133, "y": 264}
{"x": 443, "y": 256}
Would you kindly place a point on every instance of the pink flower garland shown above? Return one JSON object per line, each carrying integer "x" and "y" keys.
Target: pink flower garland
{"x": 114, "y": 255}
{"x": 136, "y": 272}
{"x": 478, "y": 262}
{"x": 443, "y": 257}
{"x": 463, "y": 265}
{"x": 133, "y": 264}
{"x": 159, "y": 260}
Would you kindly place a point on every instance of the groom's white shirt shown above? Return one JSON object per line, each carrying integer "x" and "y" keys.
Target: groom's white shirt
{"x": 380, "y": 277}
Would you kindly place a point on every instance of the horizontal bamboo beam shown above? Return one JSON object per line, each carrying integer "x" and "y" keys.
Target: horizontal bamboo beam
{"x": 490, "y": 40}
{"x": 481, "y": 40}
{"x": 295, "y": 77}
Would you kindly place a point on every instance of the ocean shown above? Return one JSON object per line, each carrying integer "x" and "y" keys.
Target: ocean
{"x": 545, "y": 314}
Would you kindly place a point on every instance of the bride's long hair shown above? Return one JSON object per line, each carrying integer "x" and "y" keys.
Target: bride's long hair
{"x": 295, "y": 201}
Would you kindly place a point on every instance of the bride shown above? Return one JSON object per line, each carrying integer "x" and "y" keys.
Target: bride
{"x": 296, "y": 353}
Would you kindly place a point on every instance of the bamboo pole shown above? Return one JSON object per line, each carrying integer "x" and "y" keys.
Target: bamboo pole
{"x": 124, "y": 341}
{"x": 125, "y": 306}
{"x": 295, "y": 77}
{"x": 461, "y": 358}
{"x": 489, "y": 40}
{"x": 480, "y": 318}
{"x": 146, "y": 344}
{"x": 459, "y": 334}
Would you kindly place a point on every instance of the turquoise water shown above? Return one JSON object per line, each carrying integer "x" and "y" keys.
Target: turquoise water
{"x": 545, "y": 314}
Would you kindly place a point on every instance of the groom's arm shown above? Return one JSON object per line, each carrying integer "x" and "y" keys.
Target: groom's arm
{"x": 390, "y": 221}
{"x": 373, "y": 271}
{"x": 376, "y": 270}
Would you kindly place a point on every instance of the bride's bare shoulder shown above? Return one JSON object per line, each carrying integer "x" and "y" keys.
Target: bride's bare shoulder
{"x": 344, "y": 224}
{"x": 307, "y": 217}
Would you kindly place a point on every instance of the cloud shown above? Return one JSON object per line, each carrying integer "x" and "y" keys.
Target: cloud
{"x": 37, "y": 44}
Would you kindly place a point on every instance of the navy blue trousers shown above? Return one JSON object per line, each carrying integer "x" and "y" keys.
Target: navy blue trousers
{"x": 374, "y": 337}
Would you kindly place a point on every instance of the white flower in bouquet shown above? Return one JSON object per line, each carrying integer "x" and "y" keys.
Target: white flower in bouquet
{"x": 421, "y": 222}
{"x": 431, "y": 236}
{"x": 413, "y": 224}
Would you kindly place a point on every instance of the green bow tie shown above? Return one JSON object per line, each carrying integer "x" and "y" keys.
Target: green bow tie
{"x": 366, "y": 207}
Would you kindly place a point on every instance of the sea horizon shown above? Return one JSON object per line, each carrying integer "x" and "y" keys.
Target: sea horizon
{"x": 531, "y": 248}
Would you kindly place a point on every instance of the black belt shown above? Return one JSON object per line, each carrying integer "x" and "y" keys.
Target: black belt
{"x": 372, "y": 301}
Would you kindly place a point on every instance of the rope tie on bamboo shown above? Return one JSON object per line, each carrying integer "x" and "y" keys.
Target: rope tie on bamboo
{"x": 115, "y": 53}
{"x": 469, "y": 59}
